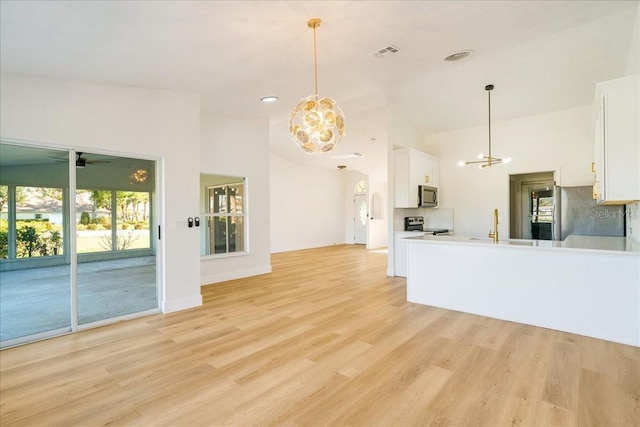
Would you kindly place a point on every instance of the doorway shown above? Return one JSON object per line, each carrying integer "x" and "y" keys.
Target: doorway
{"x": 77, "y": 241}
{"x": 360, "y": 213}
{"x": 532, "y": 206}
{"x": 115, "y": 244}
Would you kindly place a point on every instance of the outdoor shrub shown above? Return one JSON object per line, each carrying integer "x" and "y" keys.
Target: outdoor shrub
{"x": 55, "y": 241}
{"x": 85, "y": 218}
{"x": 34, "y": 238}
{"x": 104, "y": 221}
{"x": 4, "y": 244}
{"x": 4, "y": 239}
{"x": 27, "y": 241}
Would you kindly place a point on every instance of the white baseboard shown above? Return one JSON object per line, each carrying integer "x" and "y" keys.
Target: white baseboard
{"x": 182, "y": 304}
{"x": 290, "y": 248}
{"x": 232, "y": 275}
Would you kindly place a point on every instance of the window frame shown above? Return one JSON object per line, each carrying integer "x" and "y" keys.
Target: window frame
{"x": 206, "y": 216}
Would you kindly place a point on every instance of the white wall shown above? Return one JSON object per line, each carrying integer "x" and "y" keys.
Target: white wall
{"x": 554, "y": 141}
{"x": 125, "y": 121}
{"x": 402, "y": 134}
{"x": 307, "y": 206}
{"x": 239, "y": 146}
{"x": 373, "y": 127}
{"x": 378, "y": 227}
{"x": 633, "y": 60}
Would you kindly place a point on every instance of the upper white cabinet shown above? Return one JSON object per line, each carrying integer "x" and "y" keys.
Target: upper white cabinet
{"x": 617, "y": 141}
{"x": 432, "y": 172}
{"x": 413, "y": 168}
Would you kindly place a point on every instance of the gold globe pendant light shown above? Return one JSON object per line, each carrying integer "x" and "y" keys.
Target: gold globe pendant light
{"x": 316, "y": 124}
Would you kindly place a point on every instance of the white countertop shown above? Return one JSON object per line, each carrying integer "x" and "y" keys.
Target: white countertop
{"x": 622, "y": 245}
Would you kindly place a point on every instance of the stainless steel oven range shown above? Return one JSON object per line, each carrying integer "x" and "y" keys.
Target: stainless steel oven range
{"x": 416, "y": 223}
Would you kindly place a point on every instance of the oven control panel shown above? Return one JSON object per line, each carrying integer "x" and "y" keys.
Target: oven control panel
{"x": 413, "y": 223}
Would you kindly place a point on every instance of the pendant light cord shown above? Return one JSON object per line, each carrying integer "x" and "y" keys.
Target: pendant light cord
{"x": 489, "y": 92}
{"x": 315, "y": 61}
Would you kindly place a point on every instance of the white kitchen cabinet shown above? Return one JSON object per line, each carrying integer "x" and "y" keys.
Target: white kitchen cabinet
{"x": 434, "y": 171}
{"x": 400, "y": 251}
{"x": 413, "y": 168}
{"x": 617, "y": 141}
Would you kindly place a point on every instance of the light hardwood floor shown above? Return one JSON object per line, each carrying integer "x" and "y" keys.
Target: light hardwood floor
{"x": 326, "y": 339}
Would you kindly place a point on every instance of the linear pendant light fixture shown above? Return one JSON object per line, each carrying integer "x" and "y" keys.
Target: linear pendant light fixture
{"x": 317, "y": 126}
{"x": 488, "y": 160}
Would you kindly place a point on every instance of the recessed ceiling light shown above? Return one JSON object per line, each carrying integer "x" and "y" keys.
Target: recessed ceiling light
{"x": 458, "y": 55}
{"x": 269, "y": 98}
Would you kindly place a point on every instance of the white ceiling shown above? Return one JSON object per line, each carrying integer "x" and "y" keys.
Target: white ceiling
{"x": 541, "y": 56}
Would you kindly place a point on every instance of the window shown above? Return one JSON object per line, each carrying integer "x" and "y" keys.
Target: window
{"x": 225, "y": 216}
{"x": 132, "y": 225}
{"x": 4, "y": 222}
{"x": 93, "y": 221}
{"x": 37, "y": 230}
{"x": 96, "y": 211}
{"x": 360, "y": 187}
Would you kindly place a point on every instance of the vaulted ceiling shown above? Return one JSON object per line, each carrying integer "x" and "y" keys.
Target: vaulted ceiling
{"x": 541, "y": 56}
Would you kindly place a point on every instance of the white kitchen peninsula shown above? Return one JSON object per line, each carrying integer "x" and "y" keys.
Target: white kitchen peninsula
{"x": 584, "y": 285}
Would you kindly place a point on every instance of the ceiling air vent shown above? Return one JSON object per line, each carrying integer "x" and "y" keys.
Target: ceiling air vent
{"x": 385, "y": 51}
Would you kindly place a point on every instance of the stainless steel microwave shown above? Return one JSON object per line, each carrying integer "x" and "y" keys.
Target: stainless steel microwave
{"x": 427, "y": 196}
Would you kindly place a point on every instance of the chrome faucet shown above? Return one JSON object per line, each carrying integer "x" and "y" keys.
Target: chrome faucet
{"x": 494, "y": 234}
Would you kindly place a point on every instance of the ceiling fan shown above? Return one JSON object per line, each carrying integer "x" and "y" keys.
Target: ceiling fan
{"x": 83, "y": 161}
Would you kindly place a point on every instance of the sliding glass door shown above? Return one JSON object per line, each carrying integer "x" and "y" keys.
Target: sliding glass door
{"x": 116, "y": 257}
{"x": 53, "y": 283}
{"x": 35, "y": 272}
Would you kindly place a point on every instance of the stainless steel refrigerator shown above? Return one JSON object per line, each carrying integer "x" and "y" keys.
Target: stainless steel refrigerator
{"x": 575, "y": 212}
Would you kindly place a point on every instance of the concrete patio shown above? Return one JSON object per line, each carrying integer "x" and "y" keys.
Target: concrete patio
{"x": 39, "y": 300}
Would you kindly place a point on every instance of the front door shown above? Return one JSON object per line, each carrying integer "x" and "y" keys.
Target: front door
{"x": 360, "y": 216}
